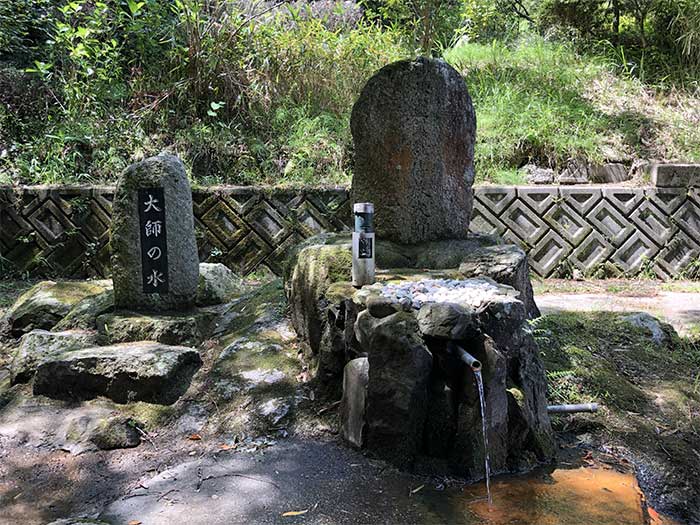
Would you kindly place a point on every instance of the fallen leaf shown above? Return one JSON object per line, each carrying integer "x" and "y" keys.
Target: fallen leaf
{"x": 195, "y": 437}
{"x": 417, "y": 489}
{"x": 224, "y": 446}
{"x": 295, "y": 513}
{"x": 134, "y": 522}
{"x": 654, "y": 517}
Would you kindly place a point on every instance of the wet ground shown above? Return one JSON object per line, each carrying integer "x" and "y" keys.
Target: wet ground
{"x": 599, "y": 495}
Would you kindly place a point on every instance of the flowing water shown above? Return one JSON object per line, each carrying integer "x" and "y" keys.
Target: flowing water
{"x": 482, "y": 401}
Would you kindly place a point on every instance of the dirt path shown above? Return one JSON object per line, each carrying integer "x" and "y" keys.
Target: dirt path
{"x": 680, "y": 309}
{"x": 322, "y": 481}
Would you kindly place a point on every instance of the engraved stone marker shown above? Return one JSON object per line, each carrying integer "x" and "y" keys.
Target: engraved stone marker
{"x": 155, "y": 266}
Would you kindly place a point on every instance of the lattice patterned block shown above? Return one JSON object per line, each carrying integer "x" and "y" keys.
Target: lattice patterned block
{"x": 223, "y": 222}
{"x": 203, "y": 200}
{"x": 653, "y": 222}
{"x": 568, "y": 223}
{"x": 608, "y": 222}
{"x": 242, "y": 200}
{"x": 694, "y": 195}
{"x": 247, "y": 254}
{"x": 688, "y": 217}
{"x": 311, "y": 220}
{"x": 549, "y": 252}
{"x": 275, "y": 261}
{"x": 510, "y": 238}
{"x": 624, "y": 199}
{"x": 581, "y": 199}
{"x": 539, "y": 199}
{"x": 634, "y": 252}
{"x": 495, "y": 198}
{"x": 50, "y": 222}
{"x": 593, "y": 251}
{"x": 268, "y": 223}
{"x": 668, "y": 200}
{"x": 483, "y": 221}
{"x": 524, "y": 222}
{"x": 676, "y": 255}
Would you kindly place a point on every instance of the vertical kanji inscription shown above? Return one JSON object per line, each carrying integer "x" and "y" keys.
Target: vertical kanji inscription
{"x": 154, "y": 252}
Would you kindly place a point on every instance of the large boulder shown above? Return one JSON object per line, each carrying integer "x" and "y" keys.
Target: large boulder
{"x": 447, "y": 321}
{"x": 155, "y": 265}
{"x": 39, "y": 346}
{"x": 45, "y": 304}
{"x": 217, "y": 284}
{"x": 413, "y": 129}
{"x": 143, "y": 371}
{"x": 314, "y": 266}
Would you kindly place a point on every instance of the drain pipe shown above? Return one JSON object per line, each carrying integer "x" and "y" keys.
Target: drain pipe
{"x": 467, "y": 358}
{"x": 572, "y": 409}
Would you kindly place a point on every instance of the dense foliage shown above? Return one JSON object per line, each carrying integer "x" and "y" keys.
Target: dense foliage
{"x": 261, "y": 92}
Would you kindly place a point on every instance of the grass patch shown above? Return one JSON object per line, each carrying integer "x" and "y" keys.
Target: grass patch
{"x": 541, "y": 102}
{"x": 599, "y": 356}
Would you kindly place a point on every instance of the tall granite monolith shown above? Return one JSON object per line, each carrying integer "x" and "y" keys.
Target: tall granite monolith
{"x": 413, "y": 129}
{"x": 155, "y": 266}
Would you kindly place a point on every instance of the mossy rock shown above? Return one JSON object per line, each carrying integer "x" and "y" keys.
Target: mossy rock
{"x": 45, "y": 304}
{"x": 217, "y": 284}
{"x": 116, "y": 432}
{"x": 39, "y": 346}
{"x": 317, "y": 264}
{"x": 84, "y": 314}
{"x": 176, "y": 329}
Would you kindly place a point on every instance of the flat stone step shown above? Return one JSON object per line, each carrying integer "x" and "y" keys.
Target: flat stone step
{"x": 141, "y": 371}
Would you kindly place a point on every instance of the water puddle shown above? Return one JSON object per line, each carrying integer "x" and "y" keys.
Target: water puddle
{"x": 594, "y": 496}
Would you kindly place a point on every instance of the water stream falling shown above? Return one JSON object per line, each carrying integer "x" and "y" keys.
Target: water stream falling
{"x": 482, "y": 401}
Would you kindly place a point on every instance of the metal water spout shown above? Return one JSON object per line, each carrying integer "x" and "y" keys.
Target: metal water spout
{"x": 467, "y": 358}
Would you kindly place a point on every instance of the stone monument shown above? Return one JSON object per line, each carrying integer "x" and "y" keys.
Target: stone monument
{"x": 403, "y": 350}
{"x": 155, "y": 265}
{"x": 414, "y": 127}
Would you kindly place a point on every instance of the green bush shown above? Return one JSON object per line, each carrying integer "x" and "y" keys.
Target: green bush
{"x": 243, "y": 96}
{"x": 24, "y": 26}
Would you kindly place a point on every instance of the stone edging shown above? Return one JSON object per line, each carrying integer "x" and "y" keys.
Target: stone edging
{"x": 62, "y": 231}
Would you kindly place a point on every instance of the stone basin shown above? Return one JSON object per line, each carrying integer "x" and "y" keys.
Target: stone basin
{"x": 407, "y": 396}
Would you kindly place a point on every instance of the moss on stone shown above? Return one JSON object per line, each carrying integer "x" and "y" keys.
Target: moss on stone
{"x": 150, "y": 415}
{"x": 517, "y": 395}
{"x": 340, "y": 291}
{"x": 253, "y": 311}
{"x": 338, "y": 263}
{"x": 46, "y": 303}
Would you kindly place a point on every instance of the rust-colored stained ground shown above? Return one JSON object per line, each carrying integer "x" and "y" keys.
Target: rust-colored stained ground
{"x": 594, "y": 496}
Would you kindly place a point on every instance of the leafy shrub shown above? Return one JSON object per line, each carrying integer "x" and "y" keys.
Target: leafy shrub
{"x": 23, "y": 27}
{"x": 244, "y": 95}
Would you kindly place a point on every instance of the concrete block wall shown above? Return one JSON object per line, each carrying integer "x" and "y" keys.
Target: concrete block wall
{"x": 63, "y": 231}
{"x": 587, "y": 227}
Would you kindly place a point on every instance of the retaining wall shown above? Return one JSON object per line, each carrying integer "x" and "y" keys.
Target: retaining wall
{"x": 64, "y": 231}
